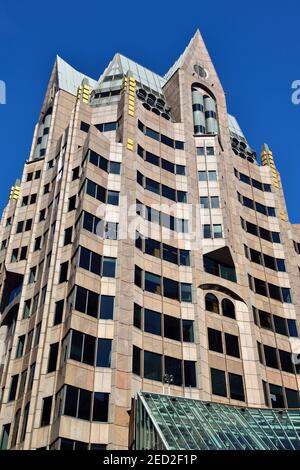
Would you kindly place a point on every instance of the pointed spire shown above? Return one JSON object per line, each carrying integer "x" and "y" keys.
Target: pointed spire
{"x": 195, "y": 53}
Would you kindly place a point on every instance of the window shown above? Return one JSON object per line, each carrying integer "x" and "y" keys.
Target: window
{"x": 84, "y": 126}
{"x": 189, "y": 373}
{"x": 217, "y": 229}
{"x": 286, "y": 361}
{"x": 280, "y": 325}
{"x": 152, "y": 283}
{"x": 24, "y": 424}
{"x": 68, "y": 236}
{"x": 173, "y": 367}
{"x": 236, "y": 387}
{"x": 137, "y": 316}
{"x": 202, "y": 175}
{"x": 186, "y": 292}
{"x": 37, "y": 243}
{"x": 152, "y": 322}
{"x": 152, "y": 366}
{"x": 26, "y": 309}
{"x": 104, "y": 348}
{"x": 59, "y": 308}
{"x": 5, "y": 436}
{"x": 188, "y": 331}
{"x": 29, "y": 177}
{"x": 212, "y": 175}
{"x": 228, "y": 309}
{"x": 171, "y": 289}
{"x": 232, "y": 345}
{"x": 46, "y": 411}
{"x": 204, "y": 202}
{"x": 207, "y": 231}
{"x": 152, "y": 247}
{"x": 107, "y": 307}
{"x": 13, "y": 388}
{"x": 63, "y": 276}
{"x": 211, "y": 303}
{"x": 72, "y": 203}
{"x": 218, "y": 382}
{"x": 172, "y": 327}
{"x": 20, "y": 346}
{"x": 200, "y": 151}
{"x": 215, "y": 203}
{"x": 277, "y": 396}
{"x": 100, "y": 407}
{"x": 109, "y": 267}
{"x": 215, "y": 340}
{"x": 52, "y": 357}
{"x": 75, "y": 173}
{"x": 271, "y": 357}
{"x": 112, "y": 197}
{"x": 136, "y": 360}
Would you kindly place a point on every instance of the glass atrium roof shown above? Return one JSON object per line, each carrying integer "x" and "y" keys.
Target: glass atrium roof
{"x": 175, "y": 423}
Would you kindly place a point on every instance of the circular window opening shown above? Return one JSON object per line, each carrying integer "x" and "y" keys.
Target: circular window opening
{"x": 200, "y": 71}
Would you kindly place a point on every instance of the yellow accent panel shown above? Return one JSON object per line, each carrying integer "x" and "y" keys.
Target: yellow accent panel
{"x": 130, "y": 144}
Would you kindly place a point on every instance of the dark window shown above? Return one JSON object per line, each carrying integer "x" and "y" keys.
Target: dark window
{"x": 46, "y": 411}
{"x": 215, "y": 340}
{"x": 152, "y": 283}
{"x": 184, "y": 258}
{"x": 173, "y": 367}
{"x": 211, "y": 303}
{"x": 104, "y": 352}
{"x": 286, "y": 361}
{"x": 13, "y": 387}
{"x": 190, "y": 374}
{"x": 152, "y": 366}
{"x": 171, "y": 288}
{"x": 207, "y": 231}
{"x": 75, "y": 173}
{"x": 137, "y": 316}
{"x": 152, "y": 322}
{"x": 280, "y": 325}
{"x": 52, "y": 357}
{"x": 170, "y": 254}
{"x": 186, "y": 292}
{"x": 71, "y": 400}
{"x": 107, "y": 307}
{"x": 277, "y": 396}
{"x": 232, "y": 345}
{"x": 152, "y": 247}
{"x": 112, "y": 197}
{"x": 5, "y": 436}
{"x": 292, "y": 326}
{"x": 271, "y": 357}
{"x": 138, "y": 277}
{"x": 151, "y": 158}
{"x": 292, "y": 398}
{"x": 109, "y": 267}
{"x": 218, "y": 382}
{"x": 265, "y": 320}
{"x": 236, "y": 387}
{"x": 188, "y": 331}
{"x": 84, "y": 126}
{"x": 152, "y": 185}
{"x": 72, "y": 203}
{"x": 100, "y": 408}
{"x": 63, "y": 276}
{"x": 136, "y": 360}
{"x": 172, "y": 327}
{"x": 228, "y": 309}
{"x": 68, "y": 236}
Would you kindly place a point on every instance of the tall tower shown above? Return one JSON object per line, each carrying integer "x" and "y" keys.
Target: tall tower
{"x": 146, "y": 248}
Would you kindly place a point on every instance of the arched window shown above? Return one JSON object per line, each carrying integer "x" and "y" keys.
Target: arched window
{"x": 212, "y": 303}
{"x": 228, "y": 309}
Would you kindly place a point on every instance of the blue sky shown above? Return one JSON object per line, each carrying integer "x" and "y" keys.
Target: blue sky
{"x": 255, "y": 48}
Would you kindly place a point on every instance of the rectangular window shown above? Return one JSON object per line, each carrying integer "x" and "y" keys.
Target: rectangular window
{"x": 107, "y": 307}
{"x": 215, "y": 340}
{"x": 100, "y": 407}
{"x": 172, "y": 327}
{"x": 152, "y": 283}
{"x": 218, "y": 382}
{"x": 152, "y": 322}
{"x": 63, "y": 276}
{"x": 232, "y": 345}
{"x": 152, "y": 366}
{"x": 173, "y": 368}
{"x": 104, "y": 348}
{"x": 136, "y": 360}
{"x": 46, "y": 411}
{"x": 52, "y": 361}
{"x": 236, "y": 387}
{"x": 189, "y": 374}
{"x": 59, "y": 307}
{"x": 13, "y": 388}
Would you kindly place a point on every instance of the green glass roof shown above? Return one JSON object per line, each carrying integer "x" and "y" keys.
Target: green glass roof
{"x": 175, "y": 423}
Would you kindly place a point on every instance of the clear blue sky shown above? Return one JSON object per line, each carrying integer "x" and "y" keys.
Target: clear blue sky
{"x": 255, "y": 48}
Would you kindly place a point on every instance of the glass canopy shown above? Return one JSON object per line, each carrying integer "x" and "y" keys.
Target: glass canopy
{"x": 175, "y": 423}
